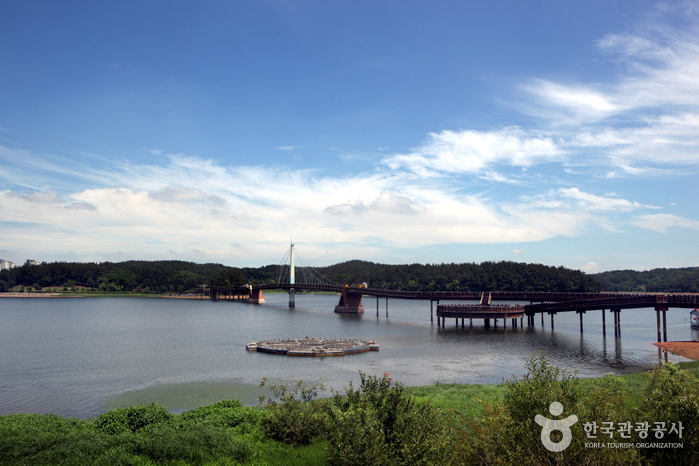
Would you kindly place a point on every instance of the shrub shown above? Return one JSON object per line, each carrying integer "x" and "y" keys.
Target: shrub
{"x": 672, "y": 396}
{"x": 293, "y": 419}
{"x": 379, "y": 424}
{"x": 132, "y": 419}
{"x": 507, "y": 433}
{"x": 226, "y": 413}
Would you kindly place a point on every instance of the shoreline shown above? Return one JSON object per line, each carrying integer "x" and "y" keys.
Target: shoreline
{"x": 688, "y": 349}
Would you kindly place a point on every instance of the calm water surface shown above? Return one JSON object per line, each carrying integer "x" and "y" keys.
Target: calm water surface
{"x": 83, "y": 356}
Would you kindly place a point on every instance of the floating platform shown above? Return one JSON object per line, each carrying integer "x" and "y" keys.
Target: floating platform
{"x": 313, "y": 346}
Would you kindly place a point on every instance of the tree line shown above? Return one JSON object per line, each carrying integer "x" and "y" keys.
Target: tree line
{"x": 148, "y": 276}
{"x": 487, "y": 276}
{"x": 179, "y": 276}
{"x": 681, "y": 280}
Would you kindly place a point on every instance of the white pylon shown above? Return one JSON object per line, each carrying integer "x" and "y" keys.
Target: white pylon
{"x": 292, "y": 278}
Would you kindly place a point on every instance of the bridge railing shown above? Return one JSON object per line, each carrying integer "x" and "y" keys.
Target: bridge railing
{"x": 600, "y": 302}
{"x": 476, "y": 308}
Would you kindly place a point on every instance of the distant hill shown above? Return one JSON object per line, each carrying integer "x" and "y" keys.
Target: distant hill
{"x": 682, "y": 280}
{"x": 166, "y": 276}
{"x": 487, "y": 276}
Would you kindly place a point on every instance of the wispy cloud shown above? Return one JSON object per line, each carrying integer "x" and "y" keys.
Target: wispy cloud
{"x": 475, "y": 152}
{"x": 661, "y": 222}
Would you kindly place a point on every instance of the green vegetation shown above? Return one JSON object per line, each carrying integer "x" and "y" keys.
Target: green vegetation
{"x": 383, "y": 423}
{"x": 487, "y": 276}
{"x": 179, "y": 276}
{"x": 683, "y": 280}
{"x": 108, "y": 277}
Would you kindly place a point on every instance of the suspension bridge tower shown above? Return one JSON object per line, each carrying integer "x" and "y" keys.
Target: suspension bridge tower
{"x": 292, "y": 277}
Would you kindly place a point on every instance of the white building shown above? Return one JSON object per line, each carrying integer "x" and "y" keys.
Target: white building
{"x": 6, "y": 264}
{"x": 31, "y": 262}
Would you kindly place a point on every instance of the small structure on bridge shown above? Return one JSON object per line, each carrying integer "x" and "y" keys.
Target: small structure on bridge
{"x": 313, "y": 347}
{"x": 484, "y": 310}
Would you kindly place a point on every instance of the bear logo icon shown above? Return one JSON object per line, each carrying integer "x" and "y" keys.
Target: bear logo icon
{"x": 549, "y": 426}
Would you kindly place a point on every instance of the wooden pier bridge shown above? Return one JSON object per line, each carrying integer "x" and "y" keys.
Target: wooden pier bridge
{"x": 541, "y": 303}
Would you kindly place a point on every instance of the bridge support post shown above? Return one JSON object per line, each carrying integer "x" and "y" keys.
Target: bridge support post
{"x": 292, "y": 298}
{"x": 470, "y": 323}
{"x": 431, "y": 315}
{"x": 377, "y": 306}
{"x": 386, "y": 307}
{"x": 462, "y": 322}
{"x": 581, "y": 321}
{"x": 604, "y": 324}
{"x": 256, "y": 296}
{"x": 551, "y": 320}
{"x": 542, "y": 319}
{"x": 658, "y": 310}
{"x": 504, "y": 321}
{"x": 350, "y": 303}
{"x": 665, "y": 325}
{"x": 618, "y": 320}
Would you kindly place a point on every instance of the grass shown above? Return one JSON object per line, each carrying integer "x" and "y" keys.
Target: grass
{"x": 225, "y": 433}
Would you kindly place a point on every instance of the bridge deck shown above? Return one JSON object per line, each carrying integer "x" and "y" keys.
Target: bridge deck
{"x": 550, "y": 302}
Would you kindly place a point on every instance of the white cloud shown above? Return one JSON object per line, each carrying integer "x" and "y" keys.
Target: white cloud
{"x": 581, "y": 101}
{"x": 475, "y": 152}
{"x": 590, "y": 267}
{"x": 661, "y": 222}
{"x": 261, "y": 207}
{"x": 589, "y": 201}
{"x": 518, "y": 251}
{"x": 287, "y": 147}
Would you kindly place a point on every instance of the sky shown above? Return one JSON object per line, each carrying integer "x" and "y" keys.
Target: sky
{"x": 562, "y": 133}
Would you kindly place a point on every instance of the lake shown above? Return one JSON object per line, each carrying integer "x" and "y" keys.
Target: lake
{"x": 83, "y": 356}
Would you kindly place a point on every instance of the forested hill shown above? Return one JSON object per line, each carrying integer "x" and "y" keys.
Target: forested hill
{"x": 156, "y": 276}
{"x": 167, "y": 276}
{"x": 683, "y": 280}
{"x": 487, "y": 276}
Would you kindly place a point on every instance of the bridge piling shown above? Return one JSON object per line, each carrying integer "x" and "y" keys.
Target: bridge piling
{"x": 386, "y": 306}
{"x": 431, "y": 310}
{"x": 659, "y": 309}
{"x": 618, "y": 320}
{"x": 551, "y": 320}
{"x": 664, "y": 325}
{"x": 581, "y": 321}
{"x": 604, "y": 324}
{"x": 377, "y": 307}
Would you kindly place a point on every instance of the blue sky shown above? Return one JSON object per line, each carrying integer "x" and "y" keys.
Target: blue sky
{"x": 565, "y": 133}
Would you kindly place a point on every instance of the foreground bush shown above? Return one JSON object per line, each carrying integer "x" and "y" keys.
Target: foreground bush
{"x": 293, "y": 419}
{"x": 506, "y": 431}
{"x": 672, "y": 396}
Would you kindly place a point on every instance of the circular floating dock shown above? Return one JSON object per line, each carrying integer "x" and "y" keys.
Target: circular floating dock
{"x": 313, "y": 346}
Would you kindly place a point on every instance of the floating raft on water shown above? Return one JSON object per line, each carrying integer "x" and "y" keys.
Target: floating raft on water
{"x": 313, "y": 347}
